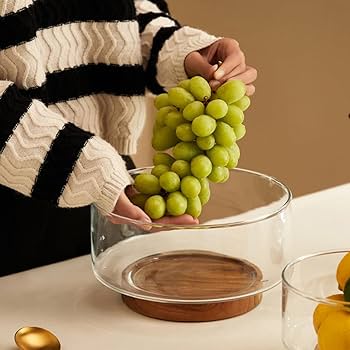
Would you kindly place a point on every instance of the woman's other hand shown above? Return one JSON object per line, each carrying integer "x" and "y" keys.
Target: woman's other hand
{"x": 219, "y": 62}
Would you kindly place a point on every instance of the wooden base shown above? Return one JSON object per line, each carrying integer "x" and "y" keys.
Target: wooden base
{"x": 192, "y": 312}
{"x": 193, "y": 275}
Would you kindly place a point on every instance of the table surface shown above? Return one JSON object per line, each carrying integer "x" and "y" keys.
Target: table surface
{"x": 67, "y": 299}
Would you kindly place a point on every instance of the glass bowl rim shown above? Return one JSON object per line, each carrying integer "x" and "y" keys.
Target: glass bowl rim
{"x": 308, "y": 295}
{"x": 284, "y": 205}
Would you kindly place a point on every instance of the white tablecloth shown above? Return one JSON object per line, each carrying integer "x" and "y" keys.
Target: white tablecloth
{"x": 85, "y": 315}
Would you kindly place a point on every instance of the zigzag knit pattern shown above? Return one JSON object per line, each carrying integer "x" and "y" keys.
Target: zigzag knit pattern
{"x": 10, "y": 6}
{"x": 73, "y": 75}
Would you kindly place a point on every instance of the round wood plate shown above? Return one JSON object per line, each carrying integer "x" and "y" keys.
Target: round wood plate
{"x": 192, "y": 275}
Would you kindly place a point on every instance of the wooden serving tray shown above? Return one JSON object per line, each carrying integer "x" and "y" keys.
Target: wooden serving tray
{"x": 192, "y": 275}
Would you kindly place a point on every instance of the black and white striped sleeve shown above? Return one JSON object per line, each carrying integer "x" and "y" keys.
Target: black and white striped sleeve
{"x": 45, "y": 157}
{"x": 165, "y": 44}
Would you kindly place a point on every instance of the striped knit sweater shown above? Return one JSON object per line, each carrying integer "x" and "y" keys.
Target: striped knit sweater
{"x": 73, "y": 75}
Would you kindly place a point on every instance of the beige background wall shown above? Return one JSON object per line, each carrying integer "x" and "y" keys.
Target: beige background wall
{"x": 298, "y": 127}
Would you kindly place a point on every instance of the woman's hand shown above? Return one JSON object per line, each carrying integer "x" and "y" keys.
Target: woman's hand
{"x": 124, "y": 207}
{"x": 232, "y": 64}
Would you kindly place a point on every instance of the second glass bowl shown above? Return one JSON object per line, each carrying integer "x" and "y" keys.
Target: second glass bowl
{"x": 307, "y": 283}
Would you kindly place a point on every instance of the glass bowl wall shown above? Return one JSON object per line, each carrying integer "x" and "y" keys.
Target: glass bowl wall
{"x": 246, "y": 219}
{"x": 307, "y": 282}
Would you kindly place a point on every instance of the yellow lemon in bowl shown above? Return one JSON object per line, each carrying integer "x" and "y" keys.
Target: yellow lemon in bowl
{"x": 343, "y": 271}
{"x": 334, "y": 331}
{"x": 323, "y": 310}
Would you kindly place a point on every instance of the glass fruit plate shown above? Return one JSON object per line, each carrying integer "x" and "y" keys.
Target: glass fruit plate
{"x": 232, "y": 256}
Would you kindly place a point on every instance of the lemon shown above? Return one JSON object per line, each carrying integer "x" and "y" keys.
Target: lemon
{"x": 343, "y": 271}
{"x": 323, "y": 310}
{"x": 334, "y": 332}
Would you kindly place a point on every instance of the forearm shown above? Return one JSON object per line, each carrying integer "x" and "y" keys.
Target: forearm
{"x": 45, "y": 157}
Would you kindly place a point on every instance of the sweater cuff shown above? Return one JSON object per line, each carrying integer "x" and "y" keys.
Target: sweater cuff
{"x": 111, "y": 191}
{"x": 126, "y": 145}
{"x": 170, "y": 66}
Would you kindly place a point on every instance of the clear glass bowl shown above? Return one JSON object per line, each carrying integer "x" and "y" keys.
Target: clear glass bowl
{"x": 306, "y": 283}
{"x": 243, "y": 227}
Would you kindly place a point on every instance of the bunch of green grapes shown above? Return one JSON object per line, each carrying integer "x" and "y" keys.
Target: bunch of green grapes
{"x": 195, "y": 135}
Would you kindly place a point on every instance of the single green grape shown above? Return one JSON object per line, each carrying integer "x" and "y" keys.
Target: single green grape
{"x": 217, "y": 174}
{"x": 233, "y": 160}
{"x": 164, "y": 138}
{"x": 185, "y": 84}
{"x": 155, "y": 207}
{"x": 163, "y": 158}
{"x": 205, "y": 143}
{"x": 161, "y": 100}
{"x": 193, "y": 110}
{"x": 186, "y": 150}
{"x": 190, "y": 186}
{"x": 234, "y": 116}
{"x": 194, "y": 207}
{"x": 235, "y": 149}
{"x": 216, "y": 109}
{"x": 179, "y": 97}
{"x": 161, "y": 113}
{"x": 226, "y": 175}
{"x": 240, "y": 131}
{"x": 204, "y": 194}
{"x": 203, "y": 125}
{"x": 139, "y": 199}
{"x": 160, "y": 169}
{"x": 184, "y": 132}
{"x": 231, "y": 91}
{"x": 200, "y": 88}
{"x": 147, "y": 184}
{"x": 224, "y": 134}
{"x": 176, "y": 203}
{"x": 243, "y": 103}
{"x": 181, "y": 168}
{"x": 174, "y": 119}
{"x": 201, "y": 166}
{"x": 169, "y": 181}
{"x": 218, "y": 155}
{"x": 205, "y": 185}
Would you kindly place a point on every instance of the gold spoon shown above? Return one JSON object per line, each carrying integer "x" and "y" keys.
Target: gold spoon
{"x": 36, "y": 338}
